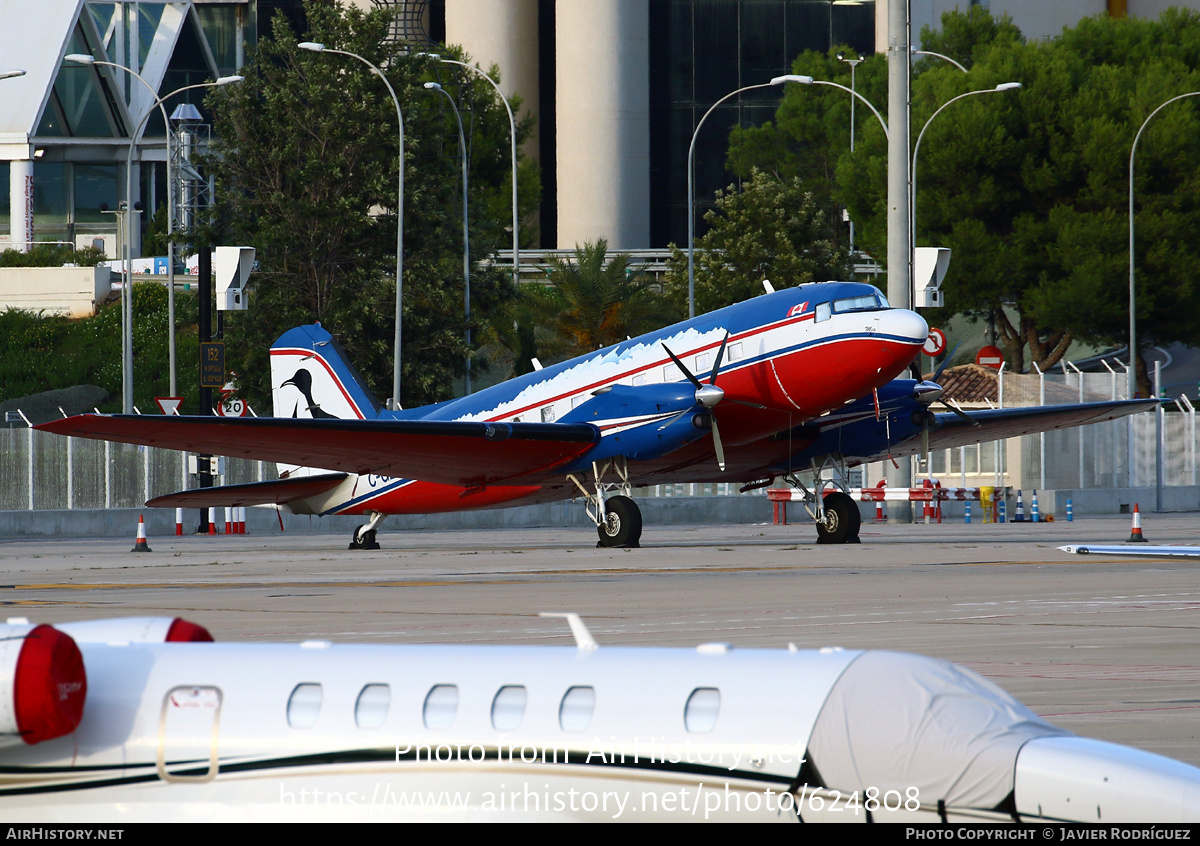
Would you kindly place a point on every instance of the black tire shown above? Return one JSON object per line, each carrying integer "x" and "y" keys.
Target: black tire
{"x": 842, "y": 520}
{"x": 363, "y": 540}
{"x": 622, "y": 524}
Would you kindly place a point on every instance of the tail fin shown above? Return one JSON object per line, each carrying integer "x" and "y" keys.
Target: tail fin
{"x": 311, "y": 377}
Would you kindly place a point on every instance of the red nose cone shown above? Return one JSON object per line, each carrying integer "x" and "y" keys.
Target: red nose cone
{"x": 49, "y": 685}
{"x": 182, "y": 631}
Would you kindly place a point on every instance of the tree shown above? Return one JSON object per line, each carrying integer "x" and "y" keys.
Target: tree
{"x": 1029, "y": 189}
{"x": 307, "y": 173}
{"x": 593, "y": 301}
{"x": 771, "y": 229}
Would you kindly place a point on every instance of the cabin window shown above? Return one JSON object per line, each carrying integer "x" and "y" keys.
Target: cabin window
{"x": 548, "y": 413}
{"x": 702, "y": 361}
{"x": 579, "y": 398}
{"x": 371, "y": 709}
{"x": 700, "y": 712}
{"x": 671, "y": 373}
{"x": 824, "y": 311}
{"x": 304, "y": 705}
{"x": 639, "y": 379}
{"x": 508, "y": 708}
{"x": 735, "y": 351}
{"x": 441, "y": 705}
{"x": 575, "y": 711}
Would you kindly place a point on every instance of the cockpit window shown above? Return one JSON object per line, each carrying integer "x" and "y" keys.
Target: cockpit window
{"x": 867, "y": 302}
{"x": 823, "y": 312}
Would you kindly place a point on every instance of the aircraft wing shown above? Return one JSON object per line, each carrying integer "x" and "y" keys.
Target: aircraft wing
{"x": 469, "y": 454}
{"x": 950, "y": 430}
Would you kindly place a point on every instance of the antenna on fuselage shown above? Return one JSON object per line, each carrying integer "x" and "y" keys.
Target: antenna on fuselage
{"x": 770, "y": 289}
{"x": 583, "y": 638}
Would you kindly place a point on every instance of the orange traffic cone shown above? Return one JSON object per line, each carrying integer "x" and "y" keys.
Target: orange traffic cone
{"x": 1135, "y": 536}
{"x": 140, "y": 544}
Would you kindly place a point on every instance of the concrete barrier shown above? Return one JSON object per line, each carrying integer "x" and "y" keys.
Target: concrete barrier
{"x": 160, "y": 522}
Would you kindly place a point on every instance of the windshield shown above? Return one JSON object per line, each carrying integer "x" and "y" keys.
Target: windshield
{"x": 867, "y": 302}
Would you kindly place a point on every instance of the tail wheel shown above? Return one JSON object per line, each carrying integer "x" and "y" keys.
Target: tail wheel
{"x": 363, "y": 539}
{"x": 622, "y": 524}
{"x": 842, "y": 520}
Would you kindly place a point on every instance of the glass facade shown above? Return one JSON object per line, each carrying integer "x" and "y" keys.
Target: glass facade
{"x": 701, "y": 50}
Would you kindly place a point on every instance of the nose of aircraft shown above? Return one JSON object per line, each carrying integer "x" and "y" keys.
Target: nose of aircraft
{"x": 904, "y": 326}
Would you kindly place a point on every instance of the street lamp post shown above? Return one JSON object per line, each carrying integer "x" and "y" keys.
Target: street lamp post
{"x": 512, "y": 127}
{"x": 691, "y": 200}
{"x": 1004, "y": 86}
{"x": 317, "y": 47}
{"x": 941, "y": 56}
{"x": 127, "y": 257}
{"x": 462, "y": 149}
{"x": 1132, "y": 292}
{"x": 853, "y": 63}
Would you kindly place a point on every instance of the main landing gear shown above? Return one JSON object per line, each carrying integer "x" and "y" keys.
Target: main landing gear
{"x": 835, "y": 513}
{"x": 618, "y": 519}
{"x": 364, "y": 536}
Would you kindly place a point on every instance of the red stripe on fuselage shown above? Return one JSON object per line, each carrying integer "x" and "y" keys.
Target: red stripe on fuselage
{"x": 433, "y": 498}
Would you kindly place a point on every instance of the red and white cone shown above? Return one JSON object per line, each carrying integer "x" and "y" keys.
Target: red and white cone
{"x": 178, "y": 522}
{"x": 228, "y": 521}
{"x": 212, "y": 520}
{"x": 1135, "y": 536}
{"x": 140, "y": 544}
{"x": 241, "y": 519}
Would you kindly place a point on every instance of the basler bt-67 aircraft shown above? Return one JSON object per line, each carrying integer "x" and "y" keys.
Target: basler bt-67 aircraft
{"x": 792, "y": 383}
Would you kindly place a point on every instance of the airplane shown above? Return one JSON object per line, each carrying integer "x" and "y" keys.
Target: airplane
{"x": 796, "y": 382}
{"x": 1134, "y": 551}
{"x": 147, "y": 720}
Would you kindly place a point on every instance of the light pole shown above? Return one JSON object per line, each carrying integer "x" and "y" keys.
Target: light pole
{"x": 691, "y": 201}
{"x": 127, "y": 286}
{"x": 853, "y": 63}
{"x": 462, "y": 149}
{"x": 317, "y": 47}
{"x": 1004, "y": 86}
{"x": 1132, "y": 293}
{"x": 512, "y": 127}
{"x": 941, "y": 56}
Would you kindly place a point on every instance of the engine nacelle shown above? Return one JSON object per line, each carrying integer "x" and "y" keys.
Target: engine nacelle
{"x": 43, "y": 684}
{"x": 642, "y": 422}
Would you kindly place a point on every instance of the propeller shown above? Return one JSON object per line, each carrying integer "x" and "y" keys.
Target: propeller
{"x": 707, "y": 396}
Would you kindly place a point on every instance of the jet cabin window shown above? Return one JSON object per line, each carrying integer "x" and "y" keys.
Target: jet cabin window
{"x": 508, "y": 708}
{"x": 441, "y": 704}
{"x": 700, "y": 712}
{"x": 371, "y": 709}
{"x": 304, "y": 705}
{"x": 575, "y": 711}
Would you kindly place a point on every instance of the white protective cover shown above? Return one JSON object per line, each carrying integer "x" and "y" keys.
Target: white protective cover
{"x": 896, "y": 721}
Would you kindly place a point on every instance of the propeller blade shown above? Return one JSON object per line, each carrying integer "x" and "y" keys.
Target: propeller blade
{"x": 960, "y": 413}
{"x": 717, "y": 364}
{"x": 717, "y": 446}
{"x": 937, "y": 374}
{"x": 683, "y": 368}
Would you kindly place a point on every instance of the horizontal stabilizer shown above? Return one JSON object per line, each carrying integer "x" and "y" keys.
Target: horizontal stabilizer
{"x": 273, "y": 492}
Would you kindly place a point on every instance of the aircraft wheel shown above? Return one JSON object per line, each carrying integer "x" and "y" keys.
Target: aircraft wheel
{"x": 622, "y": 524}
{"x": 363, "y": 540}
{"x": 841, "y": 522}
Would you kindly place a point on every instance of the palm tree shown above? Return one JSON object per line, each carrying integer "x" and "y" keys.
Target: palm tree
{"x": 594, "y": 301}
